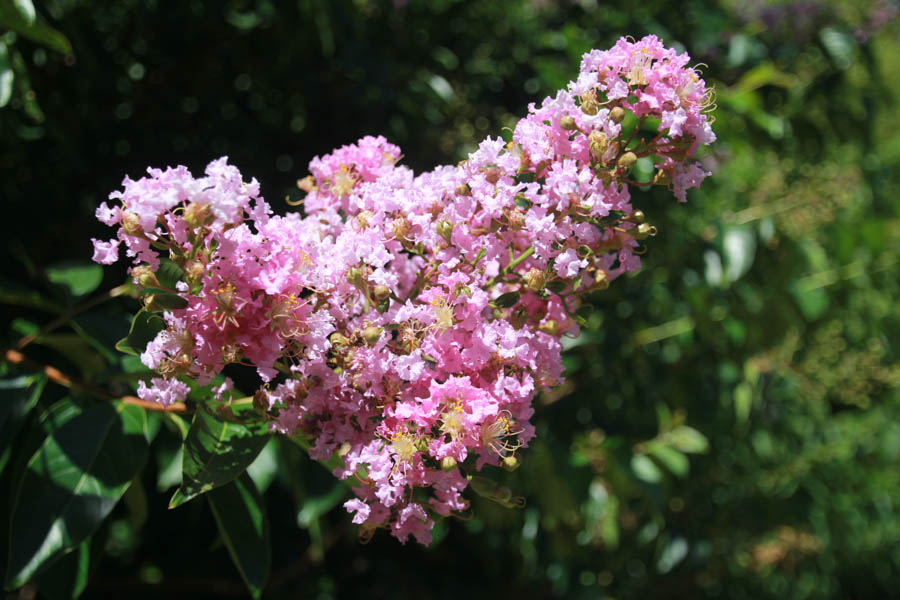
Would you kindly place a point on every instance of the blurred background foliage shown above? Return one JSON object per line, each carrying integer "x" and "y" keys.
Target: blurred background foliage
{"x": 730, "y": 426}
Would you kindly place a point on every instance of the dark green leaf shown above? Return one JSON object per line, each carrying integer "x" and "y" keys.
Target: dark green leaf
{"x": 244, "y": 527}
{"x": 79, "y": 278}
{"x": 557, "y": 286}
{"x": 162, "y": 302}
{"x": 17, "y": 397}
{"x": 67, "y": 577}
{"x": 71, "y": 484}
{"x": 169, "y": 274}
{"x": 506, "y": 300}
{"x": 144, "y": 328}
{"x": 215, "y": 452}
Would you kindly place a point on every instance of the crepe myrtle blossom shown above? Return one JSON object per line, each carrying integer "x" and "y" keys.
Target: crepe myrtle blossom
{"x": 406, "y": 322}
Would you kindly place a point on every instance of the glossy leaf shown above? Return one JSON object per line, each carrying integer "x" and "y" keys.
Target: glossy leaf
{"x": 144, "y": 328}
{"x": 216, "y": 451}
{"x": 71, "y": 484}
{"x": 244, "y": 527}
{"x": 66, "y": 578}
{"x": 36, "y": 30}
{"x": 26, "y": 10}
{"x": 7, "y": 76}
{"x": 17, "y": 398}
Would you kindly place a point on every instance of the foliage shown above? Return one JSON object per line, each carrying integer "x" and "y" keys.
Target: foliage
{"x": 731, "y": 432}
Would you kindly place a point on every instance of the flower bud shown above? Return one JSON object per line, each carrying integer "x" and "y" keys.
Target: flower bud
{"x": 448, "y": 464}
{"x": 510, "y": 463}
{"x": 643, "y": 231}
{"x": 627, "y": 161}
{"x": 535, "y": 279}
{"x": 516, "y": 219}
{"x": 636, "y": 216}
{"x": 131, "y": 223}
{"x": 355, "y": 276}
{"x": 381, "y": 292}
{"x": 589, "y": 103}
{"x": 568, "y": 123}
{"x": 197, "y": 214}
{"x": 601, "y": 281}
{"x": 144, "y": 276}
{"x": 307, "y": 184}
{"x": 362, "y": 219}
{"x": 372, "y": 334}
{"x": 463, "y": 190}
{"x": 617, "y": 114}
{"x": 549, "y": 327}
{"x": 400, "y": 227}
{"x": 193, "y": 272}
{"x": 598, "y": 144}
{"x": 445, "y": 230}
{"x": 492, "y": 174}
{"x": 338, "y": 340}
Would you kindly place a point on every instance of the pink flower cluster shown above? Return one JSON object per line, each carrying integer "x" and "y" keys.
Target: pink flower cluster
{"x": 407, "y": 321}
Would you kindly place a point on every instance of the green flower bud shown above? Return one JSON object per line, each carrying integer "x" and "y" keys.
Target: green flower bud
{"x": 145, "y": 277}
{"x": 131, "y": 223}
{"x": 617, "y": 114}
{"x": 568, "y": 123}
{"x": 448, "y": 463}
{"x": 445, "y": 230}
{"x": 598, "y": 144}
{"x": 627, "y": 161}
{"x": 372, "y": 334}
{"x": 197, "y": 214}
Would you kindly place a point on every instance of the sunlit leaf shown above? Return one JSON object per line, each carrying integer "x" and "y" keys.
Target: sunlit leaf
{"x": 71, "y": 484}
{"x": 78, "y": 277}
{"x": 67, "y": 578}
{"x": 7, "y": 76}
{"x": 216, "y": 451}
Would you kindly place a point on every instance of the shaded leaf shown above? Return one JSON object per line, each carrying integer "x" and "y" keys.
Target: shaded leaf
{"x": 244, "y": 527}
{"x": 215, "y": 452}
{"x": 66, "y": 578}
{"x": 71, "y": 484}
{"x": 17, "y": 398}
{"x": 144, "y": 328}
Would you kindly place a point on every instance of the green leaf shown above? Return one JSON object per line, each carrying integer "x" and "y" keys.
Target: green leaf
{"x": 17, "y": 398}
{"x": 673, "y": 460}
{"x": 78, "y": 351}
{"x": 37, "y": 30}
{"x": 144, "y": 328}
{"x": 78, "y": 277}
{"x": 7, "y": 76}
{"x": 216, "y": 452}
{"x": 687, "y": 439}
{"x": 26, "y": 10}
{"x": 169, "y": 274}
{"x": 66, "y": 578}
{"x": 645, "y": 469}
{"x": 161, "y": 302}
{"x": 264, "y": 468}
{"x": 244, "y": 527}
{"x": 71, "y": 484}
{"x": 506, "y": 300}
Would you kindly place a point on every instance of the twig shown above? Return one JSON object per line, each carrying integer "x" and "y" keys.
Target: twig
{"x": 17, "y": 358}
